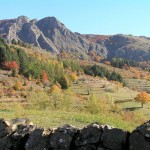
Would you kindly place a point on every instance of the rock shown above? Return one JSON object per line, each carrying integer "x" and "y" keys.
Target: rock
{"x": 114, "y": 139}
{"x": 89, "y": 135}
{"x": 5, "y": 128}
{"x": 38, "y": 139}
{"x": 21, "y": 135}
{"x": 48, "y": 33}
{"x": 101, "y": 148}
{"x": 62, "y": 138}
{"x": 20, "y": 121}
{"x": 87, "y": 147}
{"x": 140, "y": 137}
{"x": 6, "y": 143}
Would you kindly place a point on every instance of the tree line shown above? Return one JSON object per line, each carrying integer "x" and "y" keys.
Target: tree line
{"x": 96, "y": 70}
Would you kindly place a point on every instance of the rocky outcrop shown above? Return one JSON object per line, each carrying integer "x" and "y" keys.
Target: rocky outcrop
{"x": 95, "y": 136}
{"x": 123, "y": 46}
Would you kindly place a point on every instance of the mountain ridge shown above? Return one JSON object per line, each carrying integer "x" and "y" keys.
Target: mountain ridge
{"x": 50, "y": 34}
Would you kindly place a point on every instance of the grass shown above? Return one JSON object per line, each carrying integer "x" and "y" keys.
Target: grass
{"x": 138, "y": 84}
{"x": 51, "y": 119}
{"x": 123, "y": 94}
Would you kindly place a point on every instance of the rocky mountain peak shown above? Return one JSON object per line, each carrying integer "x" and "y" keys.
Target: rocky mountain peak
{"x": 23, "y": 19}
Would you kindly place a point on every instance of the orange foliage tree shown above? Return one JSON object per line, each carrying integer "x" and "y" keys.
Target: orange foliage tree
{"x": 107, "y": 62}
{"x": 142, "y": 97}
{"x": 11, "y": 65}
{"x": 44, "y": 76}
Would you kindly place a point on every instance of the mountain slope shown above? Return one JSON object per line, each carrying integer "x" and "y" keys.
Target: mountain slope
{"x": 52, "y": 35}
{"x": 124, "y": 46}
{"x": 47, "y": 33}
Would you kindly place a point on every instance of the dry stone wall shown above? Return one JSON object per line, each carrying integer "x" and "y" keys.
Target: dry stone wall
{"x": 21, "y": 134}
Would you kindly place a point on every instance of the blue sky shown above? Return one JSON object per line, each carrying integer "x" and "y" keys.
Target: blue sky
{"x": 86, "y": 16}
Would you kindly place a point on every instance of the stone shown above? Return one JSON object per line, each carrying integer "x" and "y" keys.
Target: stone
{"x": 5, "y": 128}
{"x": 6, "y": 143}
{"x": 38, "y": 139}
{"x": 140, "y": 137}
{"x": 21, "y": 135}
{"x": 20, "y": 121}
{"x": 89, "y": 135}
{"x": 114, "y": 139}
{"x": 62, "y": 138}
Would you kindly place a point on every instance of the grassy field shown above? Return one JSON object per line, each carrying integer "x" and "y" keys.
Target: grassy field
{"x": 52, "y": 119}
{"x": 102, "y": 89}
{"x": 138, "y": 84}
{"x": 124, "y": 96}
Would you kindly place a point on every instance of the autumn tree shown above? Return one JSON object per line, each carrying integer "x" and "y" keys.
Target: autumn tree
{"x": 44, "y": 76}
{"x": 107, "y": 63}
{"x": 142, "y": 97}
{"x": 73, "y": 77}
{"x": 11, "y": 65}
{"x": 55, "y": 88}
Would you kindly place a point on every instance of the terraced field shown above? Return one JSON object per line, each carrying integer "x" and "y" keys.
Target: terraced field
{"x": 138, "y": 84}
{"x": 123, "y": 96}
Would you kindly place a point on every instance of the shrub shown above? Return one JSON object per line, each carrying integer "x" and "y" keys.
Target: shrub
{"x": 10, "y": 92}
{"x": 54, "y": 89}
{"x": 18, "y": 86}
{"x": 24, "y": 94}
{"x": 14, "y": 72}
{"x": 64, "y": 82}
{"x": 38, "y": 100}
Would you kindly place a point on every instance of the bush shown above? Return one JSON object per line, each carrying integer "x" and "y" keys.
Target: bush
{"x": 64, "y": 82}
{"x": 38, "y": 100}
{"x": 24, "y": 94}
{"x": 18, "y": 86}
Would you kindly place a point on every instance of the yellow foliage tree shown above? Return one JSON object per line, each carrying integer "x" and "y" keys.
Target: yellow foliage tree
{"x": 18, "y": 86}
{"x": 142, "y": 97}
{"x": 74, "y": 77}
{"x": 55, "y": 88}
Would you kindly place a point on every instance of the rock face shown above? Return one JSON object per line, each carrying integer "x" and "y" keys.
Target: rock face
{"x": 124, "y": 46}
{"x": 92, "y": 137}
{"x": 50, "y": 34}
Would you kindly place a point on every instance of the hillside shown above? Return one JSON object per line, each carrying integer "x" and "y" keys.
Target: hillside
{"x": 50, "y": 34}
{"x": 35, "y": 82}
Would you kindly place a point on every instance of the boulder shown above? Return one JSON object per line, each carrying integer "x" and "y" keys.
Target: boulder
{"x": 6, "y": 143}
{"x": 20, "y": 121}
{"x": 140, "y": 137}
{"x": 20, "y": 136}
{"x": 114, "y": 139}
{"x": 62, "y": 138}
{"x": 38, "y": 139}
{"x": 89, "y": 135}
{"x": 88, "y": 147}
{"x": 5, "y": 128}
